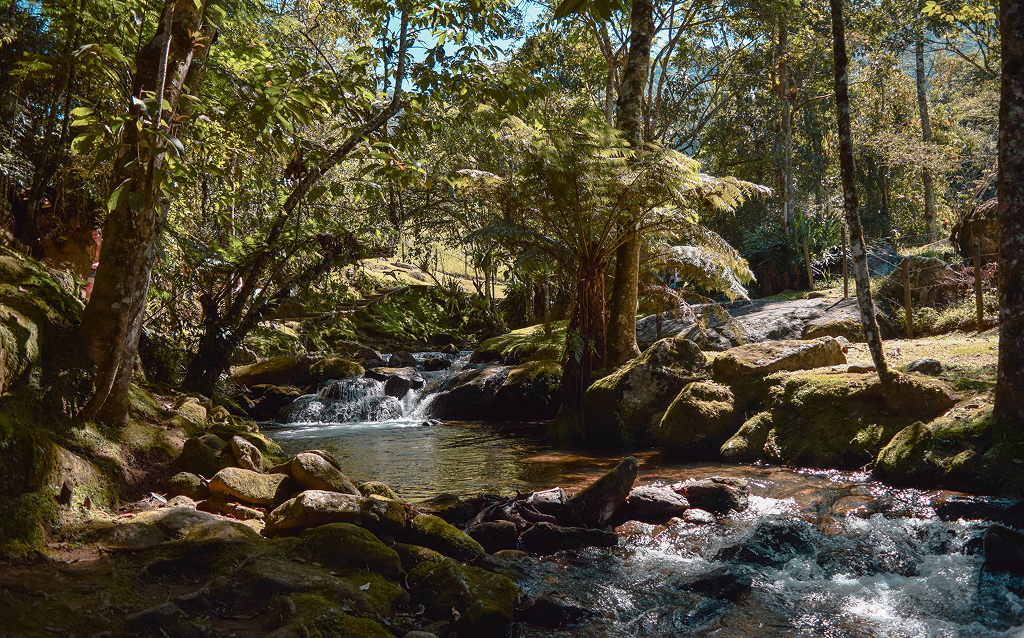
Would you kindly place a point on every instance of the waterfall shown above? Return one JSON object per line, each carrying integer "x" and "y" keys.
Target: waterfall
{"x": 363, "y": 400}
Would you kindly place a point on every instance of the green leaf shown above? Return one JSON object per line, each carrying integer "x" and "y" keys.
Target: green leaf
{"x": 115, "y": 197}
{"x": 316, "y": 193}
{"x": 81, "y": 111}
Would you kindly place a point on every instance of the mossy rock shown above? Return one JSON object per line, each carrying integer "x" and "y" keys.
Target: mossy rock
{"x": 197, "y": 458}
{"x": 347, "y": 545}
{"x": 312, "y": 508}
{"x": 279, "y": 371}
{"x": 252, "y": 487}
{"x": 187, "y": 484}
{"x": 746, "y": 368}
{"x": 450, "y": 507}
{"x": 413, "y": 555}
{"x": 334, "y": 368}
{"x": 316, "y": 472}
{"x": 531, "y": 391}
{"x": 384, "y": 596}
{"x": 434, "y": 533}
{"x": 523, "y": 345}
{"x": 377, "y": 488}
{"x": 847, "y": 327}
{"x": 273, "y": 339}
{"x": 316, "y": 616}
{"x": 624, "y": 409}
{"x": 842, "y": 419}
{"x": 700, "y": 419}
{"x": 485, "y": 601}
{"x": 747, "y": 445}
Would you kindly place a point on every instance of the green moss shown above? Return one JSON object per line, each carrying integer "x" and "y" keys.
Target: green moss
{"x": 273, "y": 339}
{"x": 485, "y": 601}
{"x": 318, "y": 617}
{"x": 748, "y": 442}
{"x": 525, "y": 344}
{"x": 383, "y": 596}
{"x": 413, "y": 555}
{"x": 347, "y": 545}
{"x": 698, "y": 421}
{"x": 411, "y": 317}
{"x": 376, "y": 488}
{"x": 334, "y": 368}
{"x": 25, "y": 521}
{"x": 433, "y": 532}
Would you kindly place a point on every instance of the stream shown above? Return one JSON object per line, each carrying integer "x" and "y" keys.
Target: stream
{"x": 828, "y": 553}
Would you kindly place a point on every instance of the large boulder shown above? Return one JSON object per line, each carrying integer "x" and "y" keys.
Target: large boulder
{"x": 317, "y": 507}
{"x": 841, "y": 419}
{"x": 624, "y": 409}
{"x": 718, "y": 495}
{"x": 247, "y": 455}
{"x": 434, "y": 533}
{"x": 484, "y": 601}
{"x": 196, "y": 458}
{"x": 525, "y": 392}
{"x": 597, "y": 503}
{"x": 700, "y": 419}
{"x": 266, "y": 400}
{"x": 747, "y": 444}
{"x": 252, "y": 487}
{"x": 330, "y": 368}
{"x": 187, "y": 484}
{"x": 355, "y": 351}
{"x": 397, "y": 381}
{"x": 347, "y": 545}
{"x": 749, "y": 364}
{"x": 545, "y": 538}
{"x": 286, "y": 370}
{"x": 933, "y": 284}
{"x": 402, "y": 359}
{"x": 315, "y": 471}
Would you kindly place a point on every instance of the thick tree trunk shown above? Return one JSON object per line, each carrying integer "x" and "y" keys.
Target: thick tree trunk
{"x": 847, "y": 170}
{"x": 113, "y": 319}
{"x": 1009, "y": 401}
{"x": 584, "y": 345}
{"x": 621, "y": 346}
{"x": 782, "y": 71}
{"x": 926, "y": 135}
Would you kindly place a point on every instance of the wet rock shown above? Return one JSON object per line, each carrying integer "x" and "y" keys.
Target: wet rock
{"x": 450, "y": 507}
{"x": 330, "y": 368}
{"x": 698, "y": 516}
{"x": 271, "y": 399}
{"x": 699, "y": 421}
{"x": 1004, "y": 550}
{"x": 773, "y": 543}
{"x": 413, "y": 555}
{"x": 548, "y": 501}
{"x": 544, "y": 538}
{"x": 468, "y": 394}
{"x": 377, "y": 488}
{"x": 654, "y": 505}
{"x": 450, "y": 349}
{"x": 247, "y": 455}
{"x": 485, "y": 602}
{"x": 624, "y": 409}
{"x": 597, "y": 503}
{"x": 723, "y": 583}
{"x": 279, "y": 371}
{"x": 402, "y": 359}
{"x": 187, "y": 484}
{"x": 317, "y": 507}
{"x": 252, "y": 487}
{"x": 196, "y": 458}
{"x": 718, "y": 495}
{"x": 315, "y": 472}
{"x": 434, "y": 533}
{"x": 437, "y": 363}
{"x": 397, "y": 381}
{"x": 748, "y": 442}
{"x": 495, "y": 536}
{"x": 347, "y": 545}
{"x": 553, "y": 611}
{"x": 926, "y": 366}
{"x": 757, "y": 360}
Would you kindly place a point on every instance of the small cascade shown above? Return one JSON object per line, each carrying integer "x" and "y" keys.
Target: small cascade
{"x": 363, "y": 400}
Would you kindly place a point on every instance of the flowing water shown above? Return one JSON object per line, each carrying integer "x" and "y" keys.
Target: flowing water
{"x": 829, "y": 553}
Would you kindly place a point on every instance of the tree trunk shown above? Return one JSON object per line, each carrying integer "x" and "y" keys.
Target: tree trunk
{"x": 584, "y": 345}
{"x": 621, "y": 346}
{"x": 113, "y": 319}
{"x": 1009, "y": 401}
{"x": 846, "y": 167}
{"x": 782, "y": 71}
{"x": 926, "y": 135}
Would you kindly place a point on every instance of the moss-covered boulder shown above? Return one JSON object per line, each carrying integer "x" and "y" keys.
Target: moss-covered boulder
{"x": 347, "y": 545}
{"x": 522, "y": 346}
{"x": 848, "y": 327}
{"x": 252, "y": 487}
{"x": 247, "y": 455}
{"x": 747, "y": 444}
{"x": 189, "y": 485}
{"x": 413, "y": 555}
{"x": 468, "y": 394}
{"x": 524, "y": 392}
{"x": 192, "y": 409}
{"x": 279, "y": 371}
{"x": 434, "y": 533}
{"x": 318, "y": 507}
{"x": 842, "y": 419}
{"x": 316, "y": 472}
{"x": 317, "y": 615}
{"x": 273, "y": 339}
{"x": 196, "y": 458}
{"x": 377, "y": 488}
{"x": 485, "y": 601}
{"x": 330, "y": 368}
{"x": 746, "y": 365}
{"x": 624, "y": 409}
{"x": 449, "y": 507}
{"x": 700, "y": 419}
